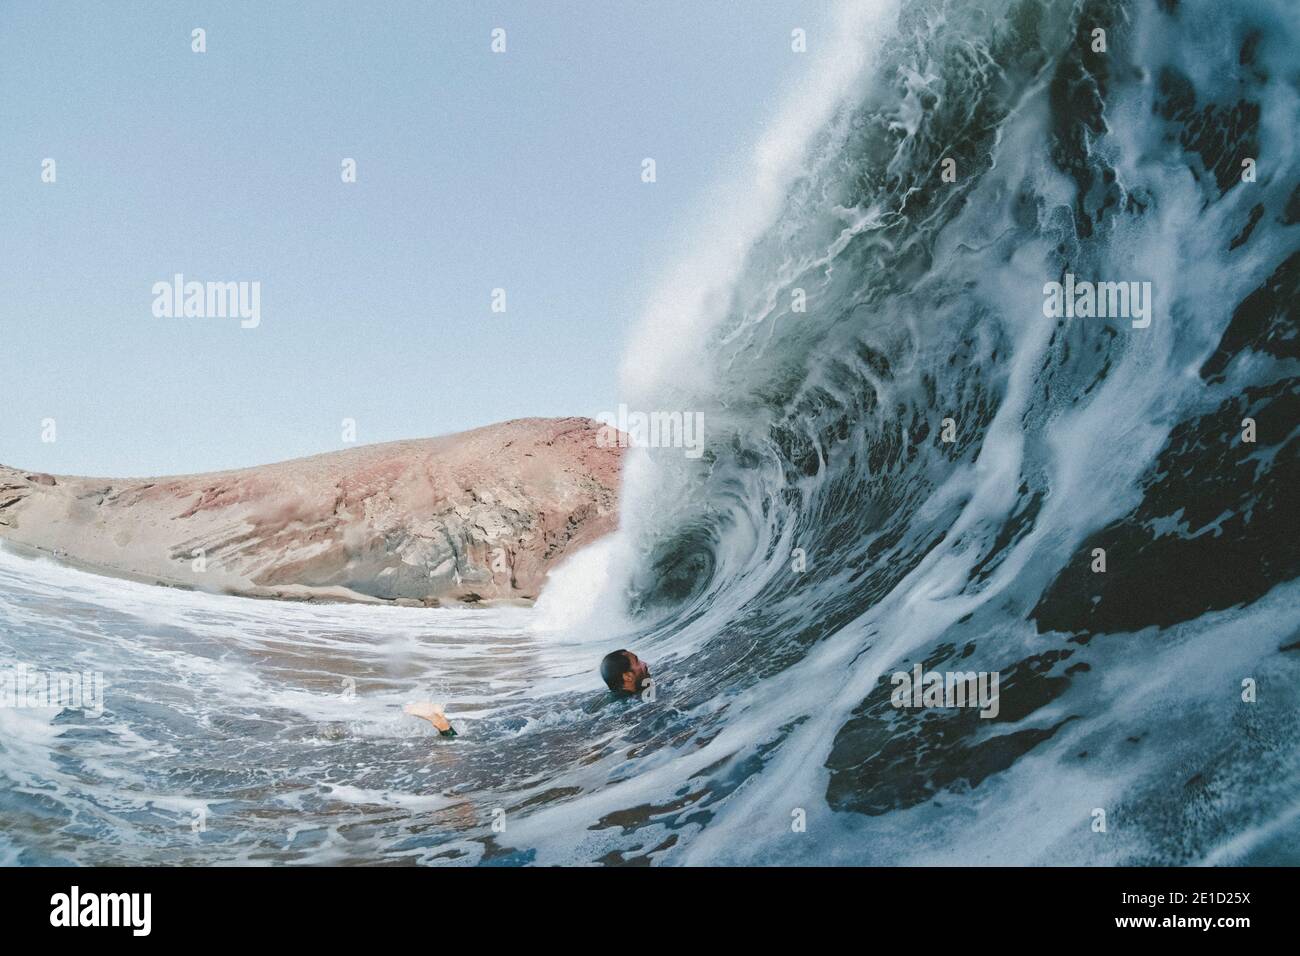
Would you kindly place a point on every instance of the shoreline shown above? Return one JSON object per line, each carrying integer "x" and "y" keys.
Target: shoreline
{"x": 289, "y": 595}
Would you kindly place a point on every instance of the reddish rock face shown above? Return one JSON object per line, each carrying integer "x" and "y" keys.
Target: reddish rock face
{"x": 478, "y": 516}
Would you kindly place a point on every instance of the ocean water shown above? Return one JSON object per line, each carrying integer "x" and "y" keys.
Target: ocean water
{"x": 907, "y": 463}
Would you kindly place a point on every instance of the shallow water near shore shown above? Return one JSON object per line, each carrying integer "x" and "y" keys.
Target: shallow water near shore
{"x": 236, "y": 731}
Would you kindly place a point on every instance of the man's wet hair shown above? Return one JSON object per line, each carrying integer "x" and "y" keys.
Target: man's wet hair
{"x": 612, "y": 669}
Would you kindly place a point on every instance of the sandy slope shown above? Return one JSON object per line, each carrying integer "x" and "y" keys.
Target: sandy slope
{"x": 478, "y": 516}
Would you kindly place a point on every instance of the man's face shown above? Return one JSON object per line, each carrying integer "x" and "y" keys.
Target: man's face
{"x": 633, "y": 677}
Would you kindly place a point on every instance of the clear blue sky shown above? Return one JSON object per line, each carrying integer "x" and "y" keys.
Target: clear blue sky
{"x": 475, "y": 170}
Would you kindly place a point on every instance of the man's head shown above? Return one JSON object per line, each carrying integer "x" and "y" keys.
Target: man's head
{"x": 623, "y": 672}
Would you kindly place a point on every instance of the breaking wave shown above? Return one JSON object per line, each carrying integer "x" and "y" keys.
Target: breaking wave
{"x": 909, "y": 462}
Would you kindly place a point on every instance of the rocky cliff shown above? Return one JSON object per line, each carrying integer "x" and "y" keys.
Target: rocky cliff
{"x": 478, "y": 516}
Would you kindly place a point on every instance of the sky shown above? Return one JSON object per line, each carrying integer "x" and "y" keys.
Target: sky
{"x": 475, "y": 171}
